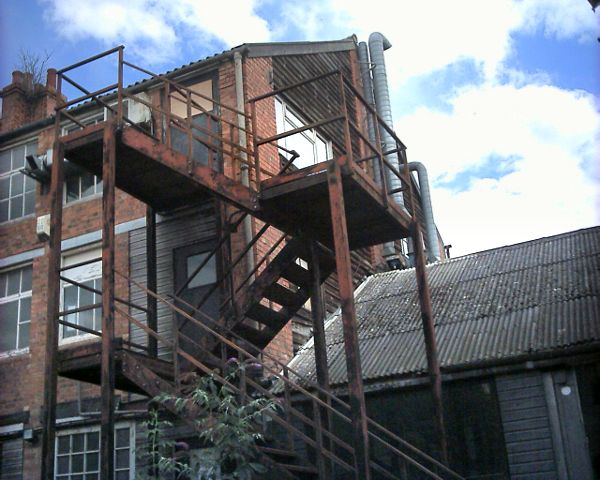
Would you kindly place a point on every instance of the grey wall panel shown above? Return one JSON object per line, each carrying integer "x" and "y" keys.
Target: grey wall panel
{"x": 526, "y": 426}
{"x": 183, "y": 228}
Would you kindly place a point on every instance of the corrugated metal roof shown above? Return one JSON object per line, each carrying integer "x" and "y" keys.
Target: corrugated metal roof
{"x": 526, "y": 299}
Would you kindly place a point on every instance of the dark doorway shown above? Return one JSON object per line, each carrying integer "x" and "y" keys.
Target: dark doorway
{"x": 186, "y": 260}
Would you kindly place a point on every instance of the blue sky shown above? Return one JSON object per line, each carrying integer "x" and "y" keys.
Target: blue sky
{"x": 498, "y": 99}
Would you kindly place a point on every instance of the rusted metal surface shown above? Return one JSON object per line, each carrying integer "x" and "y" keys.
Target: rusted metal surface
{"x": 52, "y": 307}
{"x": 351, "y": 347}
{"x": 430, "y": 339}
{"x": 107, "y": 418}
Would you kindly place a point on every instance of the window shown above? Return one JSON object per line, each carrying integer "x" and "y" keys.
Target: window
{"x": 81, "y": 184}
{"x": 89, "y": 274}
{"x": 17, "y": 191}
{"x": 308, "y": 144}
{"x": 15, "y": 308}
{"x": 78, "y": 454}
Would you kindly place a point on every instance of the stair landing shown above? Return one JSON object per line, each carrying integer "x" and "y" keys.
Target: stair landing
{"x": 299, "y": 203}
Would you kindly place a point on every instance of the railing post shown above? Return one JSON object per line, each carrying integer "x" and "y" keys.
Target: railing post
{"x": 190, "y": 136}
{"x": 167, "y": 110}
{"x": 151, "y": 278}
{"x": 344, "y": 112}
{"x": 53, "y": 302}
{"x": 255, "y": 146}
{"x": 429, "y": 333}
{"x": 108, "y": 302}
{"x": 319, "y": 439}
{"x": 351, "y": 346}
{"x": 288, "y": 403}
{"x": 120, "y": 88}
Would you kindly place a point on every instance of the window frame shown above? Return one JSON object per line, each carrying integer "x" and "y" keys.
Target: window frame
{"x": 26, "y": 181}
{"x": 78, "y": 173}
{"x": 5, "y": 299}
{"x": 90, "y": 251}
{"x": 93, "y": 429}
{"x": 285, "y": 114}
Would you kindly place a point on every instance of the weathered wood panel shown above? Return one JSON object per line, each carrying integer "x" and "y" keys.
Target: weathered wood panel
{"x": 193, "y": 225}
{"x": 526, "y": 426}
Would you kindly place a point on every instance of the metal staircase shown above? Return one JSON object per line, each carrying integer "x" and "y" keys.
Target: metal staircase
{"x": 320, "y": 435}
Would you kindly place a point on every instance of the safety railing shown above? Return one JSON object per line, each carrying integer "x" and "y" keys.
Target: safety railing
{"x": 308, "y": 414}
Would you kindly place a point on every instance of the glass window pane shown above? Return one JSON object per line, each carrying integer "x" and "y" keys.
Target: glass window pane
{"x": 23, "y": 335}
{"x": 122, "y": 458}
{"x": 25, "y": 310}
{"x": 122, "y": 437}
{"x": 8, "y": 326}
{"x": 68, "y": 331}
{"x": 14, "y": 282}
{"x": 16, "y": 207}
{"x": 4, "y": 211}
{"x": 70, "y": 297}
{"x": 16, "y": 184}
{"x": 122, "y": 475}
{"x": 77, "y": 463}
{"x": 5, "y": 161}
{"x": 4, "y": 187}
{"x": 86, "y": 319}
{"x": 64, "y": 444}
{"x": 29, "y": 203}
{"x": 72, "y": 189}
{"x": 85, "y": 296}
{"x": 76, "y": 477}
{"x": 91, "y": 462}
{"x": 93, "y": 441}
{"x": 87, "y": 185}
{"x": 91, "y": 476}
{"x": 3, "y": 277}
{"x": 207, "y": 275}
{"x": 29, "y": 184}
{"x": 25, "y": 279}
{"x": 62, "y": 463}
{"x": 78, "y": 445}
{"x": 18, "y": 157}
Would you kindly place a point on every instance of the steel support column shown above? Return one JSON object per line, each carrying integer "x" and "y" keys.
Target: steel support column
{"x": 430, "y": 340}
{"x": 151, "y": 280}
{"x": 107, "y": 438}
{"x": 344, "y": 272}
{"x": 52, "y": 309}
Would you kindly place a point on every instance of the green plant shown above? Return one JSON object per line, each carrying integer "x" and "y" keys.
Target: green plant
{"x": 226, "y": 422}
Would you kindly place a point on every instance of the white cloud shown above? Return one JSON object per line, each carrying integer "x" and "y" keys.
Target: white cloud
{"x": 551, "y": 137}
{"x": 153, "y": 30}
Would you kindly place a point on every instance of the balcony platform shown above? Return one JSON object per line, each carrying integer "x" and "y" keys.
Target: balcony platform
{"x": 153, "y": 173}
{"x": 299, "y": 203}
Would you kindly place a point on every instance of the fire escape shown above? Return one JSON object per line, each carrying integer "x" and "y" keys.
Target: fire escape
{"x": 350, "y": 207}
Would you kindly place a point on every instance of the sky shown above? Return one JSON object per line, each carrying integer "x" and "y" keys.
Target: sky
{"x": 500, "y": 100}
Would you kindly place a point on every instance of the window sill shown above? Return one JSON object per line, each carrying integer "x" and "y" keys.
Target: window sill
{"x": 14, "y": 221}
{"x": 95, "y": 196}
{"x": 17, "y": 353}
{"x": 85, "y": 338}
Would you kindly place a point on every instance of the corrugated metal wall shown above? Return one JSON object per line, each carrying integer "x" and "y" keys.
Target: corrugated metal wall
{"x": 526, "y": 426}
{"x": 11, "y": 459}
{"x": 183, "y": 228}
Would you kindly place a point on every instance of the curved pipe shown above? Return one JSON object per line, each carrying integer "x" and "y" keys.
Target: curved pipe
{"x": 433, "y": 246}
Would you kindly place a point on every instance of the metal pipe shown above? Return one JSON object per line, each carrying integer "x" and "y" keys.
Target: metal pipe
{"x": 241, "y": 119}
{"x": 365, "y": 73}
{"x": 433, "y": 246}
{"x": 377, "y": 44}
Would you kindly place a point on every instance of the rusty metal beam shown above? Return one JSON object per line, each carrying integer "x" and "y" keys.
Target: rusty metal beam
{"x": 346, "y": 291}
{"x": 52, "y": 308}
{"x": 107, "y": 418}
{"x": 151, "y": 278}
{"x": 430, "y": 340}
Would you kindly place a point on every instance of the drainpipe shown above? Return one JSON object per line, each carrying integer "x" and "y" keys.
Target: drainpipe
{"x": 433, "y": 247}
{"x": 240, "y": 104}
{"x": 377, "y": 44}
{"x": 365, "y": 74}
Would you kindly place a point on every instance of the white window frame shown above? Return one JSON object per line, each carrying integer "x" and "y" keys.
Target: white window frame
{"x": 19, "y": 296}
{"x": 82, "y": 274}
{"x": 287, "y": 119}
{"x": 70, "y": 127}
{"x": 30, "y": 145}
{"x": 93, "y": 429}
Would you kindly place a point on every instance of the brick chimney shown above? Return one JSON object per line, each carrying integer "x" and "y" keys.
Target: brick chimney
{"x": 24, "y": 102}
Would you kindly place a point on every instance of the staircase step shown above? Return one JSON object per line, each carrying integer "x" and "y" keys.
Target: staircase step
{"x": 266, "y": 316}
{"x": 297, "y": 275}
{"x": 260, "y": 338}
{"x": 284, "y": 296}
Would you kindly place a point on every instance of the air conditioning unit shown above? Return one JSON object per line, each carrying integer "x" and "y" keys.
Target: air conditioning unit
{"x": 137, "y": 112}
